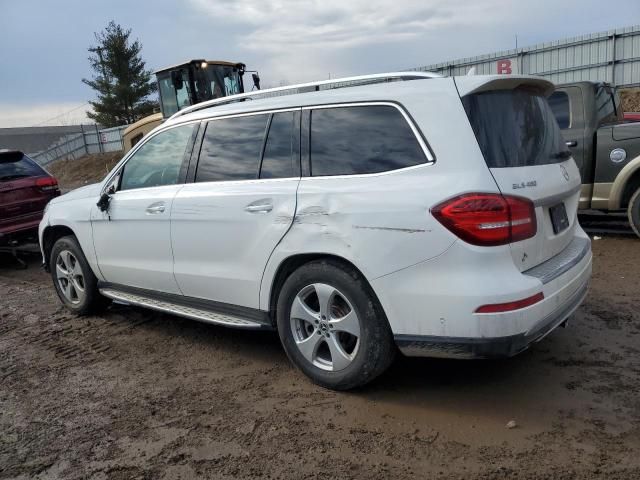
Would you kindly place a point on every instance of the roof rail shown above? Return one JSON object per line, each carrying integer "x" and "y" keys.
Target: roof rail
{"x": 309, "y": 87}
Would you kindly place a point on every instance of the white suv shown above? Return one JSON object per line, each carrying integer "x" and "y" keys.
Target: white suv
{"x": 436, "y": 215}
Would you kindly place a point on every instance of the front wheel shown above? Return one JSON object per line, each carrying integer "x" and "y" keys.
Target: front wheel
{"x": 73, "y": 279}
{"x": 633, "y": 212}
{"x": 332, "y": 327}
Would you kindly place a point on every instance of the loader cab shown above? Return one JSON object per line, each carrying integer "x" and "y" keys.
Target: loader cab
{"x": 187, "y": 84}
{"x": 197, "y": 81}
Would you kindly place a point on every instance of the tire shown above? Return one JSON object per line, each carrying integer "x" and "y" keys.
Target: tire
{"x": 73, "y": 279}
{"x": 633, "y": 212}
{"x": 342, "y": 345}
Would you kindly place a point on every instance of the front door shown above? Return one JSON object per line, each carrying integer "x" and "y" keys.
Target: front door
{"x": 132, "y": 238}
{"x": 226, "y": 224}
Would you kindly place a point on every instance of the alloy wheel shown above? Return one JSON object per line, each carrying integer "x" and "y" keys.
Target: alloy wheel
{"x": 325, "y": 327}
{"x": 70, "y": 277}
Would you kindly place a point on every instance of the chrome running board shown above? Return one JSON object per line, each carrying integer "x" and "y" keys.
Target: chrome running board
{"x": 181, "y": 310}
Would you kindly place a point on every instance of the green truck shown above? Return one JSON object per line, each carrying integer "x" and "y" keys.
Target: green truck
{"x": 604, "y": 145}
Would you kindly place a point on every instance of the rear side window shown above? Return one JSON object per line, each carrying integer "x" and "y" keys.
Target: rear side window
{"x": 17, "y": 165}
{"x": 559, "y": 103}
{"x": 362, "y": 139}
{"x": 231, "y": 149}
{"x": 278, "y": 161}
{"x": 515, "y": 128}
{"x": 605, "y": 105}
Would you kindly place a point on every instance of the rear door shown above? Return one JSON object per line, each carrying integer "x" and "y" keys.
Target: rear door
{"x": 226, "y": 224}
{"x": 526, "y": 153}
{"x": 25, "y": 189}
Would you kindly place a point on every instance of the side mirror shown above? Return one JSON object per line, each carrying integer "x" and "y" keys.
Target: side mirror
{"x": 103, "y": 203}
{"x": 256, "y": 80}
{"x": 105, "y": 199}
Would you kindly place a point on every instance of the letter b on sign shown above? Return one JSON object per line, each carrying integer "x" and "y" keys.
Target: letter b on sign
{"x": 504, "y": 67}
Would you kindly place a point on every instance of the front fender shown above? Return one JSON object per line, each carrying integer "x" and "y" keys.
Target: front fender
{"x": 74, "y": 216}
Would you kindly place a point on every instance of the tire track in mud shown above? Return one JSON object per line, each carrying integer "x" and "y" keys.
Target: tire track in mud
{"x": 65, "y": 337}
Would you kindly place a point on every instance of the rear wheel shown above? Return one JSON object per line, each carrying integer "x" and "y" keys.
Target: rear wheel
{"x": 332, "y": 327}
{"x": 73, "y": 279}
{"x": 633, "y": 212}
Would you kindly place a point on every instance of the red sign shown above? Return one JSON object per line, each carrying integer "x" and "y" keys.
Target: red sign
{"x": 504, "y": 67}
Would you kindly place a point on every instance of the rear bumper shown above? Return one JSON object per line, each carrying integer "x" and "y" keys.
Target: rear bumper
{"x": 497, "y": 347}
{"x": 431, "y": 306}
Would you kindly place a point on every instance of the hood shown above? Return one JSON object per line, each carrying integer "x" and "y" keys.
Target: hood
{"x": 87, "y": 191}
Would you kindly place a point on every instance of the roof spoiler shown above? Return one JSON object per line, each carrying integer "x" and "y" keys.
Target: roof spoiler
{"x": 477, "y": 84}
{"x": 9, "y": 156}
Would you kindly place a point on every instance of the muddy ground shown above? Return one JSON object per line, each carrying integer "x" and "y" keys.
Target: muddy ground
{"x": 136, "y": 394}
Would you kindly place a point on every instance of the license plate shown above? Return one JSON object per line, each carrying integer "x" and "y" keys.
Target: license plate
{"x": 559, "y": 218}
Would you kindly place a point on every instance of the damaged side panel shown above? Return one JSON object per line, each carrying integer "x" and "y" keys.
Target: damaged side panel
{"x": 363, "y": 220}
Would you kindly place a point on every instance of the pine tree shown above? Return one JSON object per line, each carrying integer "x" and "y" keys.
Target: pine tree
{"x": 121, "y": 80}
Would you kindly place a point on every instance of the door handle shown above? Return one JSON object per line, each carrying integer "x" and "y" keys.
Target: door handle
{"x": 572, "y": 143}
{"x": 259, "y": 208}
{"x": 155, "y": 208}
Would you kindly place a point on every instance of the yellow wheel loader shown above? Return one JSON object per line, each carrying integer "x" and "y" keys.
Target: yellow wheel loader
{"x": 186, "y": 84}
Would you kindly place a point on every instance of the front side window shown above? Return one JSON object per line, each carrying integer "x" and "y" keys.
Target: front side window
{"x": 559, "y": 103}
{"x": 360, "y": 140}
{"x": 278, "y": 161}
{"x": 231, "y": 149}
{"x": 159, "y": 160}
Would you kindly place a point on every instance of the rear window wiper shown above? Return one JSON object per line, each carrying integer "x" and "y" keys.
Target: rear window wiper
{"x": 561, "y": 155}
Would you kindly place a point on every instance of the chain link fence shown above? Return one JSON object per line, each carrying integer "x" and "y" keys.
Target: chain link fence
{"x": 90, "y": 139}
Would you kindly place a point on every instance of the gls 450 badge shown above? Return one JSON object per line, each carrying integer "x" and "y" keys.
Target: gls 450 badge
{"x": 531, "y": 183}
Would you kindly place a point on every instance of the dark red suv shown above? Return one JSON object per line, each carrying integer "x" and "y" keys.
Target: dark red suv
{"x": 25, "y": 189}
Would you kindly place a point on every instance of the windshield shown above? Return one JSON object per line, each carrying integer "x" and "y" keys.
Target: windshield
{"x": 14, "y": 165}
{"x": 515, "y": 128}
{"x": 216, "y": 81}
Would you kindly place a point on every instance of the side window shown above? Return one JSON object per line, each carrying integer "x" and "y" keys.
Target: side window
{"x": 278, "y": 161}
{"x": 231, "y": 149}
{"x": 605, "y": 106}
{"x": 158, "y": 161}
{"x": 358, "y": 140}
{"x": 559, "y": 103}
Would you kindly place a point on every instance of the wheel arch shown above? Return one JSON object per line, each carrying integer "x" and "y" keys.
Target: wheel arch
{"x": 290, "y": 264}
{"x": 50, "y": 236}
{"x": 627, "y": 182}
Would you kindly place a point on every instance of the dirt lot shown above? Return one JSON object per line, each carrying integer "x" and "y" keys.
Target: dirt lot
{"x": 134, "y": 394}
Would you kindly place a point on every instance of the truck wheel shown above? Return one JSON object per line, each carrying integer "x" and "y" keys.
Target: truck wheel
{"x": 74, "y": 281}
{"x": 633, "y": 212}
{"x": 332, "y": 326}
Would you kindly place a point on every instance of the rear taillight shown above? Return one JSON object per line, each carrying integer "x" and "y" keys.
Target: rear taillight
{"x": 488, "y": 219}
{"x": 47, "y": 184}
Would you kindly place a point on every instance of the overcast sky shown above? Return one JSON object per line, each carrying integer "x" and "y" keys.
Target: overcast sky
{"x": 43, "y": 43}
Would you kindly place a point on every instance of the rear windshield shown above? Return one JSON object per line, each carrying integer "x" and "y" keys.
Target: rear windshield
{"x": 515, "y": 128}
{"x": 17, "y": 165}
